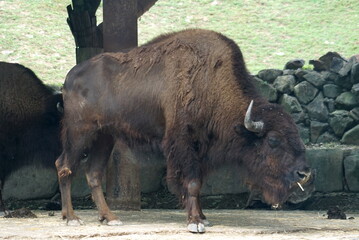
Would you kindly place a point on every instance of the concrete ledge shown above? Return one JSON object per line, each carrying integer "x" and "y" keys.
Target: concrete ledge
{"x": 328, "y": 164}
{"x": 31, "y": 182}
{"x": 337, "y": 170}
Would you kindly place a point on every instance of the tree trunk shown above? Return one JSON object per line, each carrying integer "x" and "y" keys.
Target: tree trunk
{"x": 119, "y": 33}
{"x": 83, "y": 24}
{"x": 119, "y": 25}
{"x": 123, "y": 187}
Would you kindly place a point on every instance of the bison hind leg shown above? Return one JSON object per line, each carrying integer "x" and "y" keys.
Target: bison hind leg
{"x": 98, "y": 158}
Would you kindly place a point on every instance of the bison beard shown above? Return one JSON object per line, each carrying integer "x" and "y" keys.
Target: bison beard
{"x": 29, "y": 121}
{"x": 190, "y": 93}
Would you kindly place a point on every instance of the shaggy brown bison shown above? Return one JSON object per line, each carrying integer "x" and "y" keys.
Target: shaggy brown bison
{"x": 189, "y": 92}
{"x": 29, "y": 121}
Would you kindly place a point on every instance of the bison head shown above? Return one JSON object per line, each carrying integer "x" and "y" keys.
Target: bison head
{"x": 274, "y": 159}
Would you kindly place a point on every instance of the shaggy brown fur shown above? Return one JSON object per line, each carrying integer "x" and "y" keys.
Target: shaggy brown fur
{"x": 189, "y": 92}
{"x": 29, "y": 120}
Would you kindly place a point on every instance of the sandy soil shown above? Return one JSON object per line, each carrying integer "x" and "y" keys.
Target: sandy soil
{"x": 170, "y": 224}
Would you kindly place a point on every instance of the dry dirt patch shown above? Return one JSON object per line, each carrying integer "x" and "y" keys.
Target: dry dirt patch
{"x": 170, "y": 224}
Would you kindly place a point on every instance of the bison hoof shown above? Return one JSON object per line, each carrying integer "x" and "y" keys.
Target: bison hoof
{"x": 75, "y": 222}
{"x": 196, "y": 228}
{"x": 114, "y": 223}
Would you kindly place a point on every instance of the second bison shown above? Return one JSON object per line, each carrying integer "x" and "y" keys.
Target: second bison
{"x": 190, "y": 93}
{"x": 29, "y": 121}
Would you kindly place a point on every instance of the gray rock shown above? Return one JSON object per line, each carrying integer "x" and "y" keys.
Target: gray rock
{"x": 317, "y": 110}
{"x": 299, "y": 73}
{"x": 354, "y": 113}
{"x": 355, "y": 73}
{"x": 327, "y": 138}
{"x": 344, "y": 71}
{"x": 356, "y": 58}
{"x": 351, "y": 136}
{"x": 288, "y": 72}
{"x": 325, "y": 62}
{"x": 340, "y": 121}
{"x": 31, "y": 182}
{"x": 290, "y": 104}
{"x": 284, "y": 84}
{"x": 304, "y": 133}
{"x": 294, "y": 64}
{"x": 266, "y": 89}
{"x": 298, "y": 117}
{"x": 347, "y": 100}
{"x": 328, "y": 164}
{"x": 351, "y": 166}
{"x": 355, "y": 89}
{"x": 344, "y": 82}
{"x": 305, "y": 92}
{"x": 269, "y": 75}
{"x": 328, "y": 59}
{"x": 330, "y": 77}
{"x": 315, "y": 78}
{"x": 337, "y": 64}
{"x": 331, "y": 90}
{"x": 316, "y": 129}
{"x": 330, "y": 104}
{"x": 318, "y": 65}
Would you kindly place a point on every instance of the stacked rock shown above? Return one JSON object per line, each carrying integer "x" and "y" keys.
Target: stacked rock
{"x": 324, "y": 102}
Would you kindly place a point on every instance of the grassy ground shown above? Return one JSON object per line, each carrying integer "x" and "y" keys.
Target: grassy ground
{"x": 269, "y": 32}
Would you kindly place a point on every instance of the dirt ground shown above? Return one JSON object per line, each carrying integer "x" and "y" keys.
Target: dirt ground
{"x": 170, "y": 224}
{"x": 159, "y": 220}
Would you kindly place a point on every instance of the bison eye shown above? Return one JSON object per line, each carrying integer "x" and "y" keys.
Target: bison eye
{"x": 273, "y": 142}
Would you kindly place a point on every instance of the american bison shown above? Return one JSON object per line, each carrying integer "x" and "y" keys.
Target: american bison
{"x": 190, "y": 93}
{"x": 29, "y": 121}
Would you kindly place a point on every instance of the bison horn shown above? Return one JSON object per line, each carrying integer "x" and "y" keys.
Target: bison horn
{"x": 251, "y": 125}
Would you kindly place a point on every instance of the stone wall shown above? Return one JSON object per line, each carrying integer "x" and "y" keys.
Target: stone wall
{"x": 324, "y": 102}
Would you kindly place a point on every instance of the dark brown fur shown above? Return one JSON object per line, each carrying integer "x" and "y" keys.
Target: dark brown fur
{"x": 189, "y": 92}
{"x": 29, "y": 120}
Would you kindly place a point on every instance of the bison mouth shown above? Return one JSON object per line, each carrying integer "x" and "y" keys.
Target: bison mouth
{"x": 275, "y": 192}
{"x": 299, "y": 195}
{"x": 304, "y": 177}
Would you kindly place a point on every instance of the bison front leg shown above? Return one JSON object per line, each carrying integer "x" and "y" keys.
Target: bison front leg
{"x": 184, "y": 176}
{"x": 65, "y": 176}
{"x": 97, "y": 162}
{"x": 196, "y": 219}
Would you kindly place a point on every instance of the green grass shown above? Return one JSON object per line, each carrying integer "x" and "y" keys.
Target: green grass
{"x": 269, "y": 32}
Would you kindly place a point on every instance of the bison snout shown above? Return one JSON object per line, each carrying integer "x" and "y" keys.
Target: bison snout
{"x": 304, "y": 176}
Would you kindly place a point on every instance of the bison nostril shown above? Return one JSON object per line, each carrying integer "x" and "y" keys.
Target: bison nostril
{"x": 303, "y": 175}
